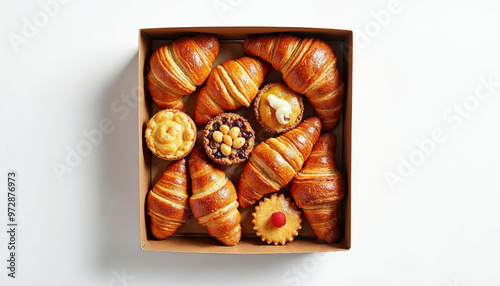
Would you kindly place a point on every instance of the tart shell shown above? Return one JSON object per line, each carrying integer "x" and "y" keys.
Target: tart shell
{"x": 264, "y": 226}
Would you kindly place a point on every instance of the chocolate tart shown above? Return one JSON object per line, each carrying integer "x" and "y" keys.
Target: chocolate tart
{"x": 228, "y": 139}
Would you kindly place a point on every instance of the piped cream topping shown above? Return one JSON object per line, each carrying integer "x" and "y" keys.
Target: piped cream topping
{"x": 282, "y": 107}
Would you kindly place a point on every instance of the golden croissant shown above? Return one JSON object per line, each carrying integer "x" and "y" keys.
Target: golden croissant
{"x": 214, "y": 200}
{"x": 319, "y": 188}
{"x": 167, "y": 202}
{"x": 232, "y": 84}
{"x": 309, "y": 67}
{"x": 274, "y": 163}
{"x": 178, "y": 68}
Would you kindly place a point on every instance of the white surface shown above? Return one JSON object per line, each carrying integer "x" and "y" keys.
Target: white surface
{"x": 439, "y": 226}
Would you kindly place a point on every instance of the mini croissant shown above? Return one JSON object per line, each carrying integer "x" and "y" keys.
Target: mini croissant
{"x": 167, "y": 202}
{"x": 232, "y": 84}
{"x": 319, "y": 188}
{"x": 274, "y": 163}
{"x": 178, "y": 68}
{"x": 309, "y": 67}
{"x": 213, "y": 201}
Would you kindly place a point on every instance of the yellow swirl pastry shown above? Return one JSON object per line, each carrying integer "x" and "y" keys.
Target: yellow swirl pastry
{"x": 171, "y": 134}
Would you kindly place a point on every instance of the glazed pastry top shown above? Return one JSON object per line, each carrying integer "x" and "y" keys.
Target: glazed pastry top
{"x": 274, "y": 112}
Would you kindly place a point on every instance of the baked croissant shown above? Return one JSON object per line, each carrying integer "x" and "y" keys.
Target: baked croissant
{"x": 232, "y": 84}
{"x": 213, "y": 201}
{"x": 274, "y": 163}
{"x": 167, "y": 202}
{"x": 309, "y": 67}
{"x": 177, "y": 68}
{"x": 318, "y": 189}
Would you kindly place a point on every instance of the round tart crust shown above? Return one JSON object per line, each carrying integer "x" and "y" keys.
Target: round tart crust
{"x": 171, "y": 134}
{"x": 298, "y": 108}
{"x": 238, "y": 148}
{"x": 264, "y": 226}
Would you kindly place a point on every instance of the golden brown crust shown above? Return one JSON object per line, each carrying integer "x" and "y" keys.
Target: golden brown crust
{"x": 213, "y": 148}
{"x": 167, "y": 202}
{"x": 262, "y": 220}
{"x": 319, "y": 188}
{"x": 214, "y": 200}
{"x": 177, "y": 68}
{"x": 232, "y": 84}
{"x": 171, "y": 134}
{"x": 309, "y": 67}
{"x": 274, "y": 163}
{"x": 261, "y": 120}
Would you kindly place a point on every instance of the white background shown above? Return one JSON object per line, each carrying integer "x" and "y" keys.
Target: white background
{"x": 417, "y": 64}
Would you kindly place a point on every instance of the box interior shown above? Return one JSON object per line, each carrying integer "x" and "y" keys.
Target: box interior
{"x": 192, "y": 237}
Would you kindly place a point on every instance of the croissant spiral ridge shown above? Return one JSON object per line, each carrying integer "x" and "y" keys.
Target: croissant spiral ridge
{"x": 319, "y": 188}
{"x": 167, "y": 202}
{"x": 178, "y": 68}
{"x": 231, "y": 85}
{"x": 214, "y": 200}
{"x": 274, "y": 163}
{"x": 309, "y": 67}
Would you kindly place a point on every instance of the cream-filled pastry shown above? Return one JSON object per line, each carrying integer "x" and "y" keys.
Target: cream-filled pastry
{"x": 171, "y": 134}
{"x": 278, "y": 108}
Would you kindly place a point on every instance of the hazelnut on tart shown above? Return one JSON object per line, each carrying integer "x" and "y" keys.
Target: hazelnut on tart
{"x": 278, "y": 108}
{"x": 228, "y": 139}
{"x": 171, "y": 134}
{"x": 276, "y": 219}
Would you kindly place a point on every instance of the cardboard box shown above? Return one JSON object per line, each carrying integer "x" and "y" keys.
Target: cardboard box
{"x": 192, "y": 237}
